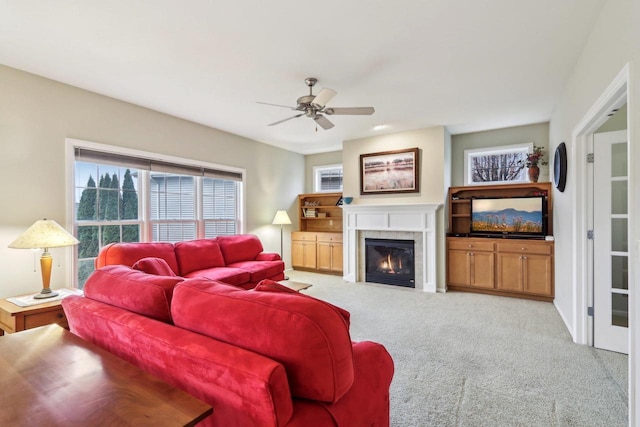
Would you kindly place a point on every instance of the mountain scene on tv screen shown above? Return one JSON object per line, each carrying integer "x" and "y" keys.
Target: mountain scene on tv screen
{"x": 507, "y": 220}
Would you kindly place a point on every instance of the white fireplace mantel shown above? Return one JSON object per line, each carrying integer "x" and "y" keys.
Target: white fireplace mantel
{"x": 418, "y": 218}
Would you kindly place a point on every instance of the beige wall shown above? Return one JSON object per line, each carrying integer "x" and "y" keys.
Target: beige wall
{"x": 37, "y": 114}
{"x": 321, "y": 159}
{"x": 435, "y": 151}
{"x": 433, "y": 146}
{"x": 536, "y": 133}
{"x": 604, "y": 56}
{"x": 612, "y": 44}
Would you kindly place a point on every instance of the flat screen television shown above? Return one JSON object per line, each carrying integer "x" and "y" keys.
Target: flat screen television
{"x": 509, "y": 216}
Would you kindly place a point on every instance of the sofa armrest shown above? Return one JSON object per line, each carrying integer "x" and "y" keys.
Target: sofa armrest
{"x": 245, "y": 388}
{"x": 268, "y": 256}
{"x": 367, "y": 401}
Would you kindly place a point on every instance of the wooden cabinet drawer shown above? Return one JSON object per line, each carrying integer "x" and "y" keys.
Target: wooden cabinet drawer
{"x": 466, "y": 244}
{"x": 303, "y": 235}
{"x": 330, "y": 237}
{"x": 525, "y": 247}
{"x": 48, "y": 317}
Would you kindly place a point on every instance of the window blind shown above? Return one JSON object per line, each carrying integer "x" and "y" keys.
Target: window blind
{"x": 122, "y": 160}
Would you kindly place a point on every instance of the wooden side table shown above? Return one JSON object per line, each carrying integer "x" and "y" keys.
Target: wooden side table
{"x": 14, "y": 318}
{"x": 51, "y": 377}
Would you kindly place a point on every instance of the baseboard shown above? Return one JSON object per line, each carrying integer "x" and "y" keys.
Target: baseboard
{"x": 566, "y": 324}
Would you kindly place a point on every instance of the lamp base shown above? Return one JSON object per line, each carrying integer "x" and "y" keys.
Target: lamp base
{"x": 45, "y": 293}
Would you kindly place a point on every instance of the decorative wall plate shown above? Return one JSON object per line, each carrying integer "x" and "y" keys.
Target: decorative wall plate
{"x": 560, "y": 167}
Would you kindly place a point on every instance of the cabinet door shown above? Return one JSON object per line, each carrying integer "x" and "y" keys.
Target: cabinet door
{"x": 336, "y": 257}
{"x": 324, "y": 256}
{"x": 458, "y": 268}
{"x": 309, "y": 255}
{"x": 537, "y": 274}
{"x": 481, "y": 269}
{"x": 303, "y": 254}
{"x": 510, "y": 272}
{"x": 297, "y": 253}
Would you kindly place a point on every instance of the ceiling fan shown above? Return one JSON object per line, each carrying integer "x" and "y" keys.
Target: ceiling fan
{"x": 314, "y": 106}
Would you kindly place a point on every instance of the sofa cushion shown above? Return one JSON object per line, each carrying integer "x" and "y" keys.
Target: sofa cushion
{"x": 129, "y": 253}
{"x": 152, "y": 265}
{"x": 231, "y": 276}
{"x": 133, "y": 290}
{"x": 309, "y": 338}
{"x": 199, "y": 254}
{"x": 241, "y": 247}
{"x": 260, "y": 270}
{"x": 271, "y": 286}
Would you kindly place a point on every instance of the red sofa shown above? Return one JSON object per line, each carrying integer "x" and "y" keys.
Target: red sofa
{"x": 237, "y": 260}
{"x": 265, "y": 357}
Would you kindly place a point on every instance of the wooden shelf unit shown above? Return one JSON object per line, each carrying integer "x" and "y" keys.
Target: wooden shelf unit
{"x": 318, "y": 244}
{"x": 522, "y": 268}
{"x": 328, "y": 215}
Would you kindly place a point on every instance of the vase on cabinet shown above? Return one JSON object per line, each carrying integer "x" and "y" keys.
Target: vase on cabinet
{"x": 534, "y": 173}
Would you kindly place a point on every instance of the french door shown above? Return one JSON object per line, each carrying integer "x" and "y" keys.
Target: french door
{"x": 611, "y": 242}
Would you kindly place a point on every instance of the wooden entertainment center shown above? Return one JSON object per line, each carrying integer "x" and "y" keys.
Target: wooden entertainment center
{"x": 515, "y": 267}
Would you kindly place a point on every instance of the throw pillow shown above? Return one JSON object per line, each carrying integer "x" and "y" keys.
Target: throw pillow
{"x": 155, "y": 266}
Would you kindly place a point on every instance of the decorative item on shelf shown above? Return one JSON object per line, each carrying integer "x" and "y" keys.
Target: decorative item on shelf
{"x": 281, "y": 219}
{"x": 340, "y": 201}
{"x": 348, "y": 200}
{"x": 532, "y": 161}
{"x": 44, "y": 234}
{"x": 322, "y": 214}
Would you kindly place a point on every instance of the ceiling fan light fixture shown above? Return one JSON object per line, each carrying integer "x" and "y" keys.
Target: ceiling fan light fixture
{"x": 324, "y": 96}
{"x": 314, "y": 106}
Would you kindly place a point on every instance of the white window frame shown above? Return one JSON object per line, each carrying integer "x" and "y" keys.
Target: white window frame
{"x": 145, "y": 230}
{"x": 317, "y": 172}
{"x": 524, "y": 149}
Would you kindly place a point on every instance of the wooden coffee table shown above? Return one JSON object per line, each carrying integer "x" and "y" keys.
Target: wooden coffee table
{"x": 296, "y": 286}
{"x": 51, "y": 377}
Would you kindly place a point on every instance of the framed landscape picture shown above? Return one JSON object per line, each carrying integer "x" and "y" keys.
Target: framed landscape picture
{"x": 390, "y": 172}
{"x": 496, "y": 165}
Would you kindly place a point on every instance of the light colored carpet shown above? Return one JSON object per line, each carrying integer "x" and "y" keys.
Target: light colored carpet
{"x": 464, "y": 359}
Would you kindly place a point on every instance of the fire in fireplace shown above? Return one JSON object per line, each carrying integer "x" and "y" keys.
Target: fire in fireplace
{"x": 390, "y": 262}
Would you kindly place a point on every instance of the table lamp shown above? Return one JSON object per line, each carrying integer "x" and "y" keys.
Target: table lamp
{"x": 44, "y": 234}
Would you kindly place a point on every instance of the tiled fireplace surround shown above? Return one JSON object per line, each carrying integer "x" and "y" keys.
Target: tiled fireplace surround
{"x": 411, "y": 222}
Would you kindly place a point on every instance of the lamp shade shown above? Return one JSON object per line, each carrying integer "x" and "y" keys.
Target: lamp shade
{"x": 281, "y": 218}
{"x": 44, "y": 233}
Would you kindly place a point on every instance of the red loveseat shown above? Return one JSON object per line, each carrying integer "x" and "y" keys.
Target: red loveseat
{"x": 237, "y": 260}
{"x": 265, "y": 358}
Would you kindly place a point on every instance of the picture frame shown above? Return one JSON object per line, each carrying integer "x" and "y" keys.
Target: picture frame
{"x": 496, "y": 165}
{"x": 390, "y": 172}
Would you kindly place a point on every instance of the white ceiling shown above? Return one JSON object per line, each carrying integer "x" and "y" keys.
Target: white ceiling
{"x": 469, "y": 65}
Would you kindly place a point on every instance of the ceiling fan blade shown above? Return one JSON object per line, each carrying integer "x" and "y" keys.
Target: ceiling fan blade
{"x": 284, "y": 120}
{"x": 323, "y": 122}
{"x": 276, "y": 105}
{"x": 323, "y": 97}
{"x": 362, "y": 111}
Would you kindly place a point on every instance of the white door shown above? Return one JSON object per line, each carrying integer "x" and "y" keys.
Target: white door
{"x": 611, "y": 242}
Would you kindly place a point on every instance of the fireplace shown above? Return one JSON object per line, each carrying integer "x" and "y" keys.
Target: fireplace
{"x": 391, "y": 262}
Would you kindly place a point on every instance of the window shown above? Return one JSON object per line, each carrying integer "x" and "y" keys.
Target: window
{"x": 327, "y": 178}
{"x": 496, "y": 165}
{"x": 121, "y": 198}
